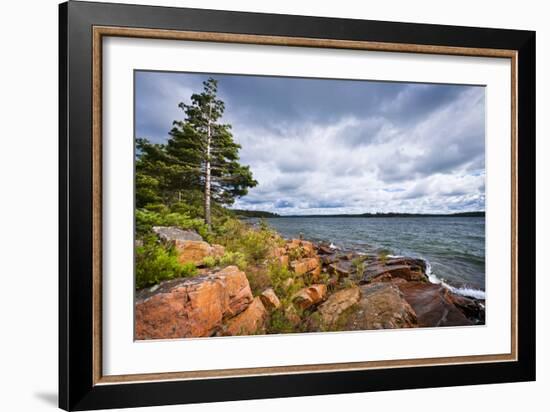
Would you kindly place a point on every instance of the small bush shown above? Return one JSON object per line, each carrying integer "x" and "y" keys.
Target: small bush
{"x": 156, "y": 262}
{"x": 279, "y": 323}
{"x": 234, "y": 258}
{"x": 210, "y": 261}
{"x": 278, "y": 275}
{"x": 146, "y": 219}
{"x": 383, "y": 256}
{"x": 296, "y": 253}
{"x": 359, "y": 265}
{"x": 254, "y": 244}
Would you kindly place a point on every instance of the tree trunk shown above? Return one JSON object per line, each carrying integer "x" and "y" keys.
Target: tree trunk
{"x": 207, "y": 179}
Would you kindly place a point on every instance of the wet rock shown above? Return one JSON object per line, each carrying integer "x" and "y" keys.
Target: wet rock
{"x": 172, "y": 233}
{"x": 432, "y": 305}
{"x": 473, "y": 309}
{"x": 191, "y": 307}
{"x": 249, "y": 322}
{"x": 384, "y": 277}
{"x": 270, "y": 300}
{"x": 328, "y": 259}
{"x": 348, "y": 256}
{"x": 194, "y": 251}
{"x": 381, "y": 306}
{"x": 404, "y": 271}
{"x": 325, "y": 250}
{"x": 416, "y": 264}
{"x": 309, "y": 296}
{"x": 342, "y": 268}
{"x": 337, "y": 304}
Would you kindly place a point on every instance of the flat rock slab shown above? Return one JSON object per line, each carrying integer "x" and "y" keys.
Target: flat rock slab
{"x": 172, "y": 233}
{"x": 432, "y": 305}
{"x": 381, "y": 306}
{"x": 407, "y": 261}
{"x": 309, "y": 296}
{"x": 325, "y": 250}
{"x": 404, "y": 271}
{"x": 328, "y": 259}
{"x": 342, "y": 268}
{"x": 337, "y": 304}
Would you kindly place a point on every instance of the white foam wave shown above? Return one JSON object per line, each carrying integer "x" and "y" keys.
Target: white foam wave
{"x": 468, "y": 292}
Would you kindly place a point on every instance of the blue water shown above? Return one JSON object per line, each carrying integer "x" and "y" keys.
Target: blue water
{"x": 453, "y": 247}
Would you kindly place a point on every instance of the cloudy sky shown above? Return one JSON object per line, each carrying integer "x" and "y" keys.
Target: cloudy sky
{"x": 340, "y": 146}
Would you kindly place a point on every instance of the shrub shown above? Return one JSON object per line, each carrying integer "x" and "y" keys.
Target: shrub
{"x": 383, "y": 256}
{"x": 278, "y": 275}
{"x": 233, "y": 258}
{"x": 146, "y": 219}
{"x": 254, "y": 244}
{"x": 209, "y": 261}
{"x": 156, "y": 262}
{"x": 359, "y": 265}
{"x": 258, "y": 278}
{"x": 279, "y": 323}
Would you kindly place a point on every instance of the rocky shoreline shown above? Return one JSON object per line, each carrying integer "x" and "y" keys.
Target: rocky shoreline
{"x": 325, "y": 290}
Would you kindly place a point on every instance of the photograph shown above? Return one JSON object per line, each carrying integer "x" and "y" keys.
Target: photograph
{"x": 275, "y": 205}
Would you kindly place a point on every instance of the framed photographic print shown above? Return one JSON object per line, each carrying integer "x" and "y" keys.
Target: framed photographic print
{"x": 259, "y": 205}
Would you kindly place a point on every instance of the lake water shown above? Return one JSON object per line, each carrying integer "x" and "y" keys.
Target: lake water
{"x": 453, "y": 247}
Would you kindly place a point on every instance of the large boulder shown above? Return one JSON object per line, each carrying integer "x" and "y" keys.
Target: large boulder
{"x": 303, "y": 248}
{"x": 249, "y": 322}
{"x": 381, "y": 306}
{"x": 473, "y": 309}
{"x": 328, "y": 259}
{"x": 191, "y": 307}
{"x": 280, "y": 255}
{"x": 306, "y": 265}
{"x": 172, "y": 233}
{"x": 432, "y": 305}
{"x": 194, "y": 251}
{"x": 270, "y": 300}
{"x": 309, "y": 296}
{"x": 341, "y": 268}
{"x": 337, "y": 303}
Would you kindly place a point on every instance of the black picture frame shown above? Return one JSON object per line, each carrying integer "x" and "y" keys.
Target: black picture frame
{"x": 77, "y": 390}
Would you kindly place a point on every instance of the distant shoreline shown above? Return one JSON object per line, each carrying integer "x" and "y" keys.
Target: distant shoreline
{"x": 264, "y": 214}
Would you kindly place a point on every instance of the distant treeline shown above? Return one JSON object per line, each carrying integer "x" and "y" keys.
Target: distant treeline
{"x": 254, "y": 213}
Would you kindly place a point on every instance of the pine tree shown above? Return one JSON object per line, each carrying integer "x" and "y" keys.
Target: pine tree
{"x": 205, "y": 153}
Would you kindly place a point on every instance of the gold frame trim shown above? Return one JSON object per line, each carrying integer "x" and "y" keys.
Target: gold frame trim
{"x": 101, "y": 31}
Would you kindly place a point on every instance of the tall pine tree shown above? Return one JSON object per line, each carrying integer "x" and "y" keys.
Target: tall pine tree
{"x": 206, "y": 154}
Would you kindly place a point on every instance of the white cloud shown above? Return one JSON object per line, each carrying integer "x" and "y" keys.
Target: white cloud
{"x": 358, "y": 165}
